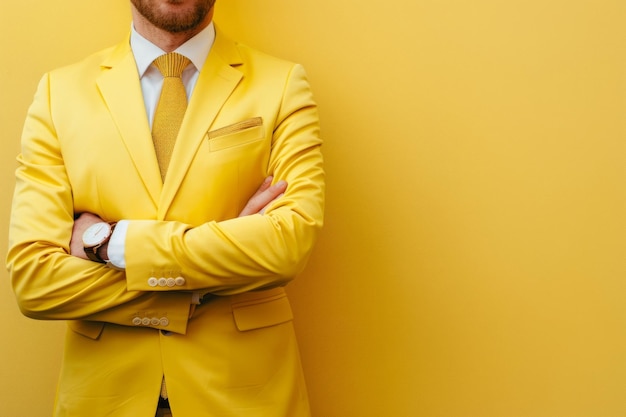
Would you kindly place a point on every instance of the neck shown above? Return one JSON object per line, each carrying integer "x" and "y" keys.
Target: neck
{"x": 167, "y": 41}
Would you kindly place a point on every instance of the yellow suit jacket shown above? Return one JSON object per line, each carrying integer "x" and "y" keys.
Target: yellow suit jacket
{"x": 86, "y": 147}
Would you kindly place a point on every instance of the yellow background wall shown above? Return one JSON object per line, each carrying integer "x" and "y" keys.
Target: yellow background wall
{"x": 473, "y": 262}
{"x": 36, "y": 36}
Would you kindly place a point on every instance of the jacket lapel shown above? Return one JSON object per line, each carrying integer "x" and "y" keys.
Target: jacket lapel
{"x": 121, "y": 90}
{"x": 215, "y": 84}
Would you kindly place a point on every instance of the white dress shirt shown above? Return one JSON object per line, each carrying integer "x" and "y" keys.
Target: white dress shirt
{"x": 145, "y": 52}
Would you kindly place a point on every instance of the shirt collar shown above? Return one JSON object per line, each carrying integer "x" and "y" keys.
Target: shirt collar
{"x": 196, "y": 48}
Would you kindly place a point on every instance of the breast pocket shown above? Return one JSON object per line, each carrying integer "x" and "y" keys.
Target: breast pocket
{"x": 237, "y": 134}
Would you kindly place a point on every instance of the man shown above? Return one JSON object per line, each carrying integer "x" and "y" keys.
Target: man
{"x": 170, "y": 267}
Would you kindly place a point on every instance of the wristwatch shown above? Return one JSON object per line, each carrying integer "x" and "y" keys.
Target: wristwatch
{"x": 95, "y": 237}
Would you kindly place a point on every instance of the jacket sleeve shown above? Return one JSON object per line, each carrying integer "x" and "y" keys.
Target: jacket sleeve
{"x": 48, "y": 282}
{"x": 252, "y": 252}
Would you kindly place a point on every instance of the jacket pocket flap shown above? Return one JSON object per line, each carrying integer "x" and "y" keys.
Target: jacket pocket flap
{"x": 90, "y": 329}
{"x": 263, "y": 312}
{"x": 236, "y": 134}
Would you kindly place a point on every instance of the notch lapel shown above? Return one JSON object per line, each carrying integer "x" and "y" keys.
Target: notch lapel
{"x": 121, "y": 90}
{"x": 216, "y": 82}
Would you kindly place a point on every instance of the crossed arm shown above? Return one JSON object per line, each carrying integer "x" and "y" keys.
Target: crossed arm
{"x": 264, "y": 195}
{"x": 50, "y": 305}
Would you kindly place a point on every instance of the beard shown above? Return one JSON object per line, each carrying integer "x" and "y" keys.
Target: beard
{"x": 179, "y": 22}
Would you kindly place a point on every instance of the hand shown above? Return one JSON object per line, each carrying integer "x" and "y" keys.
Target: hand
{"x": 266, "y": 194}
{"x": 81, "y": 224}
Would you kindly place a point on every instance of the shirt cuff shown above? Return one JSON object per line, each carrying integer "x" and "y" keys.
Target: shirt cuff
{"x": 117, "y": 245}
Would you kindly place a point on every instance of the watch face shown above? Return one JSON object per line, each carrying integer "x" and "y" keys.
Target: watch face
{"x": 96, "y": 234}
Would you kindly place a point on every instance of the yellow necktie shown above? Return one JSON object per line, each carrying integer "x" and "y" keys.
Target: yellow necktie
{"x": 171, "y": 107}
{"x": 168, "y": 116}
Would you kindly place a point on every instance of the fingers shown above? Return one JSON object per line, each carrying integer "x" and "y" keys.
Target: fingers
{"x": 264, "y": 195}
{"x": 262, "y": 211}
{"x": 267, "y": 182}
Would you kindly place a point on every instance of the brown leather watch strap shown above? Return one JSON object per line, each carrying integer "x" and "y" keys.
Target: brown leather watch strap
{"x": 92, "y": 252}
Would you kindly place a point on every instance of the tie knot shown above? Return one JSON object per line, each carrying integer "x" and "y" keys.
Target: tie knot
{"x": 171, "y": 64}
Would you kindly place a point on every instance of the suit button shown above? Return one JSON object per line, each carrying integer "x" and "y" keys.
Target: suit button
{"x": 171, "y": 282}
{"x": 155, "y": 321}
{"x": 164, "y": 321}
{"x": 180, "y": 281}
{"x": 137, "y": 321}
{"x": 162, "y": 282}
{"x": 145, "y": 321}
{"x": 153, "y": 282}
